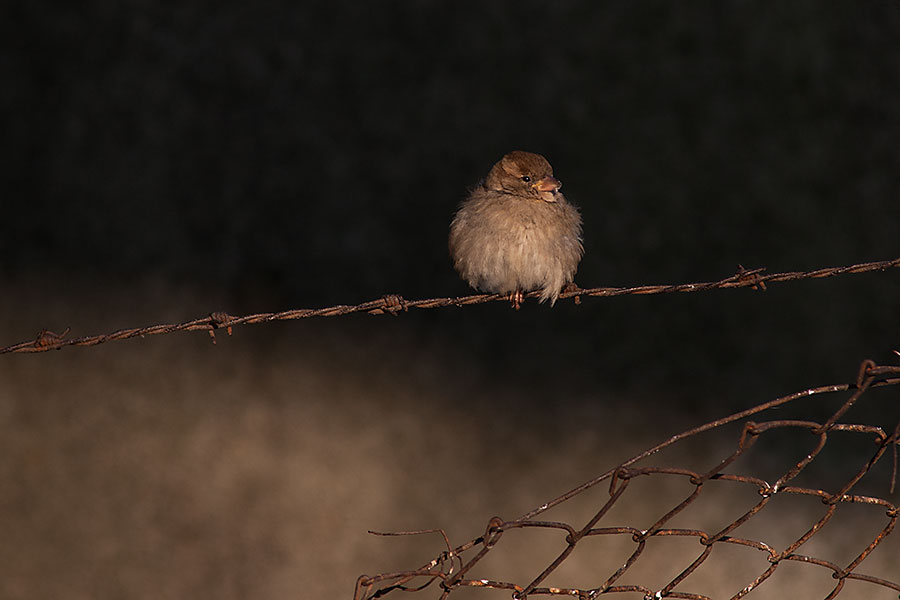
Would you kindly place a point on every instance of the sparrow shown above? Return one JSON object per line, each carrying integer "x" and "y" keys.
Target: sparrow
{"x": 516, "y": 232}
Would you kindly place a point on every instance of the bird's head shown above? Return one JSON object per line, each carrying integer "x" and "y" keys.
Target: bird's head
{"x": 524, "y": 174}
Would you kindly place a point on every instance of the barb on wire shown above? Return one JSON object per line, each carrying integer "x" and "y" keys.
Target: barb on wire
{"x": 393, "y": 304}
{"x": 472, "y": 552}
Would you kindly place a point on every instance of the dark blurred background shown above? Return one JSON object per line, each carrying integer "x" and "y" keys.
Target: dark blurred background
{"x": 302, "y": 155}
{"x": 163, "y": 160}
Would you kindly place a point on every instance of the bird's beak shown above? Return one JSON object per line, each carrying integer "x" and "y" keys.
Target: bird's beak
{"x": 548, "y": 186}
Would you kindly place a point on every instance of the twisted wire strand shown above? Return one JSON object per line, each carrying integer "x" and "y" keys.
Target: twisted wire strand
{"x": 393, "y": 304}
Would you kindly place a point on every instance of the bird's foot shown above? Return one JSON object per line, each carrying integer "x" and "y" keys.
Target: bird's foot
{"x": 516, "y": 298}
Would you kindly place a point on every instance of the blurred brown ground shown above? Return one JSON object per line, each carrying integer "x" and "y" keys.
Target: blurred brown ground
{"x": 167, "y": 467}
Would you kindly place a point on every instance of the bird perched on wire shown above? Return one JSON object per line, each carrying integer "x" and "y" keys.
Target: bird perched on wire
{"x": 516, "y": 232}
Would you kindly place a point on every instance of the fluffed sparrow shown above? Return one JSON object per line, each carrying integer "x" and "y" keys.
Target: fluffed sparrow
{"x": 516, "y": 232}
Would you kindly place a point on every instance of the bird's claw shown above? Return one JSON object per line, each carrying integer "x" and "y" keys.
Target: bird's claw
{"x": 516, "y": 298}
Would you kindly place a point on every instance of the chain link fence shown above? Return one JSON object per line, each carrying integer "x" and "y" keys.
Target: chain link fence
{"x": 452, "y": 570}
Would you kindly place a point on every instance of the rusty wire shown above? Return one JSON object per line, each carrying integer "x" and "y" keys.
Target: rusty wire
{"x": 450, "y": 569}
{"x": 393, "y": 304}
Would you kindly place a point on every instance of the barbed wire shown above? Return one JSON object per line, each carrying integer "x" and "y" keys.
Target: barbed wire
{"x": 394, "y": 304}
{"x": 451, "y": 567}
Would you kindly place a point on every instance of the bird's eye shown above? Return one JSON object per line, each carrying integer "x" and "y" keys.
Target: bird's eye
{"x": 526, "y": 178}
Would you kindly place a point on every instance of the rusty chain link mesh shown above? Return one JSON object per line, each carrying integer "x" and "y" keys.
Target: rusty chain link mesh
{"x": 453, "y": 569}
